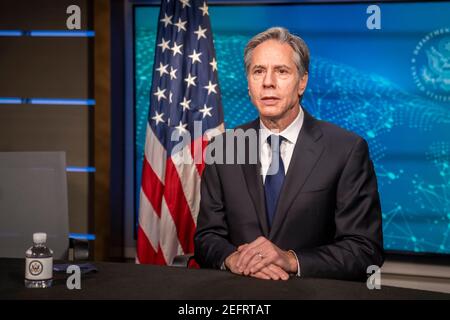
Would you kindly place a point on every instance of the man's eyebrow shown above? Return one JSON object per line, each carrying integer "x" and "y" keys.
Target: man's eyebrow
{"x": 256, "y": 66}
{"x": 282, "y": 66}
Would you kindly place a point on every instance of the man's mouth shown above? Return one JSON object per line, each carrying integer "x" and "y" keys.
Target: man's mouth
{"x": 269, "y": 100}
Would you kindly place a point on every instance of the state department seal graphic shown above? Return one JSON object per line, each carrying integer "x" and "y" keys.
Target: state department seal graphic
{"x": 35, "y": 267}
{"x": 431, "y": 65}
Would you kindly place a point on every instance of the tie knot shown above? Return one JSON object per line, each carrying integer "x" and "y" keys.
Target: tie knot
{"x": 275, "y": 141}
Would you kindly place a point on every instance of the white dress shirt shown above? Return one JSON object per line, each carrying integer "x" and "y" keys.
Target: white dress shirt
{"x": 287, "y": 146}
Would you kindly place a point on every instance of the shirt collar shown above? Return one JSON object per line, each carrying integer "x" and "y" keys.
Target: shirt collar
{"x": 290, "y": 133}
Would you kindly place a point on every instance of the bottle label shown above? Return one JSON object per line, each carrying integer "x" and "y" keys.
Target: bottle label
{"x": 39, "y": 269}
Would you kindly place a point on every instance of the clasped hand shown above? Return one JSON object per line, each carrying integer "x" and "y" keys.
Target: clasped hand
{"x": 262, "y": 259}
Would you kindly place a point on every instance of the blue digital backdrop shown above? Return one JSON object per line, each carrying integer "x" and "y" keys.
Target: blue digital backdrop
{"x": 391, "y": 86}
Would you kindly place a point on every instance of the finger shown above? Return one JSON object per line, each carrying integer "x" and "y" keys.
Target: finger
{"x": 257, "y": 266}
{"x": 271, "y": 256}
{"x": 271, "y": 273}
{"x": 249, "y": 251}
{"x": 260, "y": 261}
{"x": 280, "y": 272}
{"x": 241, "y": 247}
{"x": 247, "y": 256}
{"x": 257, "y": 260}
{"x": 252, "y": 245}
{"x": 260, "y": 275}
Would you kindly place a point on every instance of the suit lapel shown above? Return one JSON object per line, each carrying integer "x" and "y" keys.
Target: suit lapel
{"x": 307, "y": 152}
{"x": 253, "y": 178}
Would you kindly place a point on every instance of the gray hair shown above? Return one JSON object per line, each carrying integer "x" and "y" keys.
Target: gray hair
{"x": 301, "y": 51}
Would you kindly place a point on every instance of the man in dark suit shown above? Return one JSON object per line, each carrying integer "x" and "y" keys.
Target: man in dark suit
{"x": 309, "y": 206}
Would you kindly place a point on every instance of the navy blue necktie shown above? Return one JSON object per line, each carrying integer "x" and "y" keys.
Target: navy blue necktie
{"x": 274, "y": 178}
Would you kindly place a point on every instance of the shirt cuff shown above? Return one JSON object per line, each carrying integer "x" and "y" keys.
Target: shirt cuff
{"x": 298, "y": 263}
{"x": 223, "y": 267}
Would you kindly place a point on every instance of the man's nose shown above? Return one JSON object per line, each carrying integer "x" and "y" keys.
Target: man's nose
{"x": 269, "y": 80}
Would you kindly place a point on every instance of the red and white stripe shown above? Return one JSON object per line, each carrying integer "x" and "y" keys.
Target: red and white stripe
{"x": 169, "y": 201}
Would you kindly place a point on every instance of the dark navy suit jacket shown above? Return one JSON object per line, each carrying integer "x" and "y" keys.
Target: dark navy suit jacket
{"x": 328, "y": 211}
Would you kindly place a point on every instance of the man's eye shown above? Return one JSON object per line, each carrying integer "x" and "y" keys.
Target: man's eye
{"x": 258, "y": 71}
{"x": 282, "y": 71}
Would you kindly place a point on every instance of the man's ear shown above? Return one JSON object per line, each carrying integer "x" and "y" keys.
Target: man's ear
{"x": 302, "y": 84}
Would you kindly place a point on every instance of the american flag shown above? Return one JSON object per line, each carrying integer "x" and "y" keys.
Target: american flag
{"x": 184, "y": 92}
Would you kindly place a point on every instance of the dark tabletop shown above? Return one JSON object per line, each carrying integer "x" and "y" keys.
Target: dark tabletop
{"x": 130, "y": 281}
